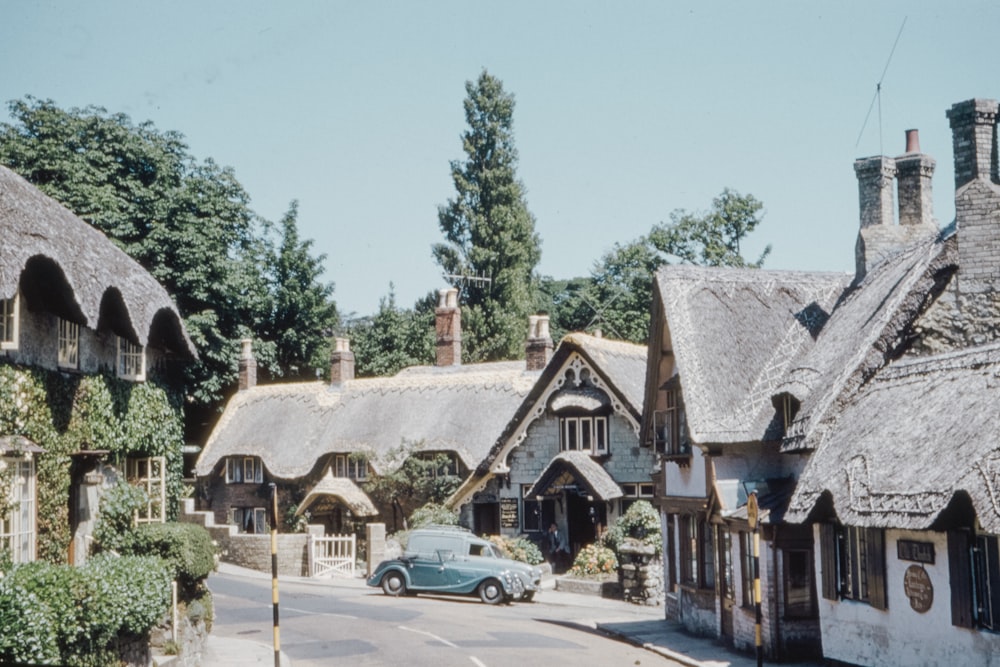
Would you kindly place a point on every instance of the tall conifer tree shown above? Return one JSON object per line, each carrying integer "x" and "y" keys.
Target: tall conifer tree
{"x": 490, "y": 233}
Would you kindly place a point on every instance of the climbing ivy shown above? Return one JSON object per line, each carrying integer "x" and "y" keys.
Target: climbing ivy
{"x": 66, "y": 413}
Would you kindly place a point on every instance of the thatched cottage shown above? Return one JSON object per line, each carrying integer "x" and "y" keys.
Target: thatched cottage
{"x": 73, "y": 306}
{"x": 899, "y": 411}
{"x": 322, "y": 444}
{"x": 721, "y": 340}
{"x": 570, "y": 453}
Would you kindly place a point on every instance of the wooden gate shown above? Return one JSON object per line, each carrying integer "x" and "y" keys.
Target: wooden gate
{"x": 332, "y": 555}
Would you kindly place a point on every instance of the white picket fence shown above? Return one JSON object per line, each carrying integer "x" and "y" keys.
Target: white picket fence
{"x": 332, "y": 555}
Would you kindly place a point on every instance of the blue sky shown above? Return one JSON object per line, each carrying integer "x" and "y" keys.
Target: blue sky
{"x": 625, "y": 111}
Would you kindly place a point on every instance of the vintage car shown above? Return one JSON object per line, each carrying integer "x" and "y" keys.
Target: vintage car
{"x": 448, "y": 559}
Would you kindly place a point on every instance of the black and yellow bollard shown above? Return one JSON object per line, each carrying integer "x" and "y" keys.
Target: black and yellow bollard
{"x": 752, "y": 512}
{"x": 274, "y": 571}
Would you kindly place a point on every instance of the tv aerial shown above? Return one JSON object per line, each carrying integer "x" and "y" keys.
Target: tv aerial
{"x": 877, "y": 98}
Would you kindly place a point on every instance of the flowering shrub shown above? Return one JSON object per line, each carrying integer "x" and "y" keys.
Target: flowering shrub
{"x": 640, "y": 525}
{"x": 517, "y": 548}
{"x": 594, "y": 560}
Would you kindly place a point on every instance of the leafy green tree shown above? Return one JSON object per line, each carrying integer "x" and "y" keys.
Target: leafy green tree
{"x": 190, "y": 224}
{"x": 394, "y": 338}
{"x": 412, "y": 480}
{"x": 303, "y": 315}
{"x": 712, "y": 238}
{"x": 616, "y": 296}
{"x": 489, "y": 231}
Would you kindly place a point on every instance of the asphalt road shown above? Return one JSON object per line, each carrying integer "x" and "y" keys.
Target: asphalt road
{"x": 331, "y": 623}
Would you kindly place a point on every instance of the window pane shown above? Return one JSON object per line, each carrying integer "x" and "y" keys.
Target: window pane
{"x": 601, "y": 435}
{"x": 586, "y": 434}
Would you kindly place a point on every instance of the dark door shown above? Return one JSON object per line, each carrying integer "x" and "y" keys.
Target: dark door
{"x": 583, "y": 518}
{"x": 726, "y": 583}
{"x": 486, "y": 518}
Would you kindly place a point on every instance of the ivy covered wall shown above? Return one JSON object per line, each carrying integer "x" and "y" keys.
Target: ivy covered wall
{"x": 66, "y": 413}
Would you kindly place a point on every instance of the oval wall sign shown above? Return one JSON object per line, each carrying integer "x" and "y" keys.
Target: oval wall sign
{"x": 917, "y": 586}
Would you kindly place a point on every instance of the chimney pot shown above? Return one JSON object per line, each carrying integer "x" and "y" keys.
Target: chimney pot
{"x": 912, "y": 141}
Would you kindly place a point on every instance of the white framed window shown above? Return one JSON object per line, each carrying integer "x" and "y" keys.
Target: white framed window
{"x": 131, "y": 360}
{"x": 17, "y": 528}
{"x": 69, "y": 344}
{"x": 633, "y": 491}
{"x": 667, "y": 426}
{"x": 244, "y": 470}
{"x": 352, "y": 466}
{"x": 250, "y": 520}
{"x": 585, "y": 434}
{"x": 9, "y": 323}
{"x": 446, "y": 464}
{"x": 150, "y": 474}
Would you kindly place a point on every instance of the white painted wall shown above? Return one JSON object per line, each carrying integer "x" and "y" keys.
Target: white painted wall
{"x": 687, "y": 481}
{"x": 857, "y": 633}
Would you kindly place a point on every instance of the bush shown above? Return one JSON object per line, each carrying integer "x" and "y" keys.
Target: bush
{"x": 594, "y": 560}
{"x": 640, "y": 525}
{"x": 116, "y": 516}
{"x": 186, "y": 548}
{"x": 58, "y": 614}
{"x": 517, "y": 548}
{"x": 432, "y": 513}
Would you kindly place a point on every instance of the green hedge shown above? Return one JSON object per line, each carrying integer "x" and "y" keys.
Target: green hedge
{"x": 63, "y": 615}
{"x": 186, "y": 548}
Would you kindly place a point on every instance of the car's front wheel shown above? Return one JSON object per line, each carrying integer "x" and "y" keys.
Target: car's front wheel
{"x": 529, "y": 596}
{"x": 393, "y": 584}
{"x": 491, "y": 592}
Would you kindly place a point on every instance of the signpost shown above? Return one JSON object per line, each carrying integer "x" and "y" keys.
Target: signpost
{"x": 274, "y": 571}
{"x": 752, "y": 515}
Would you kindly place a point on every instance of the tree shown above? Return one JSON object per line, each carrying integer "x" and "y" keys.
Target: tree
{"x": 713, "y": 238}
{"x": 413, "y": 479}
{"x": 489, "y": 231}
{"x": 616, "y": 296}
{"x": 188, "y": 223}
{"x": 394, "y": 338}
{"x": 302, "y": 315}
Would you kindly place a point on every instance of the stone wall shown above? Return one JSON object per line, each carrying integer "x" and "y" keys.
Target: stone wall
{"x": 254, "y": 551}
{"x": 640, "y": 574}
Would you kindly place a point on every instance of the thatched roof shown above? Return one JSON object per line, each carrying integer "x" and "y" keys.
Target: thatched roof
{"x": 343, "y": 489}
{"x": 735, "y": 332}
{"x": 863, "y": 332}
{"x": 82, "y": 269}
{"x": 291, "y": 426}
{"x": 577, "y": 468}
{"x": 918, "y": 437}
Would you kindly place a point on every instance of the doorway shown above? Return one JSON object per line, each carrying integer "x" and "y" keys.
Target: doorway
{"x": 583, "y": 519}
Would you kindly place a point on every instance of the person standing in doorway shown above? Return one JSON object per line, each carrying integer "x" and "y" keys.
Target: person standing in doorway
{"x": 558, "y": 549}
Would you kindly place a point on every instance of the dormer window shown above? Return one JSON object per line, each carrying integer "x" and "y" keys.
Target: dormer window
{"x": 69, "y": 344}
{"x": 131, "y": 360}
{"x": 9, "y": 322}
{"x": 788, "y": 407}
{"x": 244, "y": 470}
{"x": 352, "y": 466}
{"x": 584, "y": 434}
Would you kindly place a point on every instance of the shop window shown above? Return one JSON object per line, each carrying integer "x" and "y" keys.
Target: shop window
{"x": 746, "y": 568}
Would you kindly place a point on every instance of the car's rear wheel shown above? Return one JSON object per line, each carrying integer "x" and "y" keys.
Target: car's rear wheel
{"x": 393, "y": 584}
{"x": 491, "y": 592}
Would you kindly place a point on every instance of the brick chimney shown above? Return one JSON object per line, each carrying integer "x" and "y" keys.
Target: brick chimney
{"x": 977, "y": 195}
{"x": 448, "y": 328}
{"x": 341, "y": 361}
{"x": 248, "y": 365}
{"x": 914, "y": 171}
{"x": 538, "y": 348}
{"x": 880, "y": 235}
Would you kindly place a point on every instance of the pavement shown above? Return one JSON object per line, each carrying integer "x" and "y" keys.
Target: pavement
{"x": 635, "y": 624}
